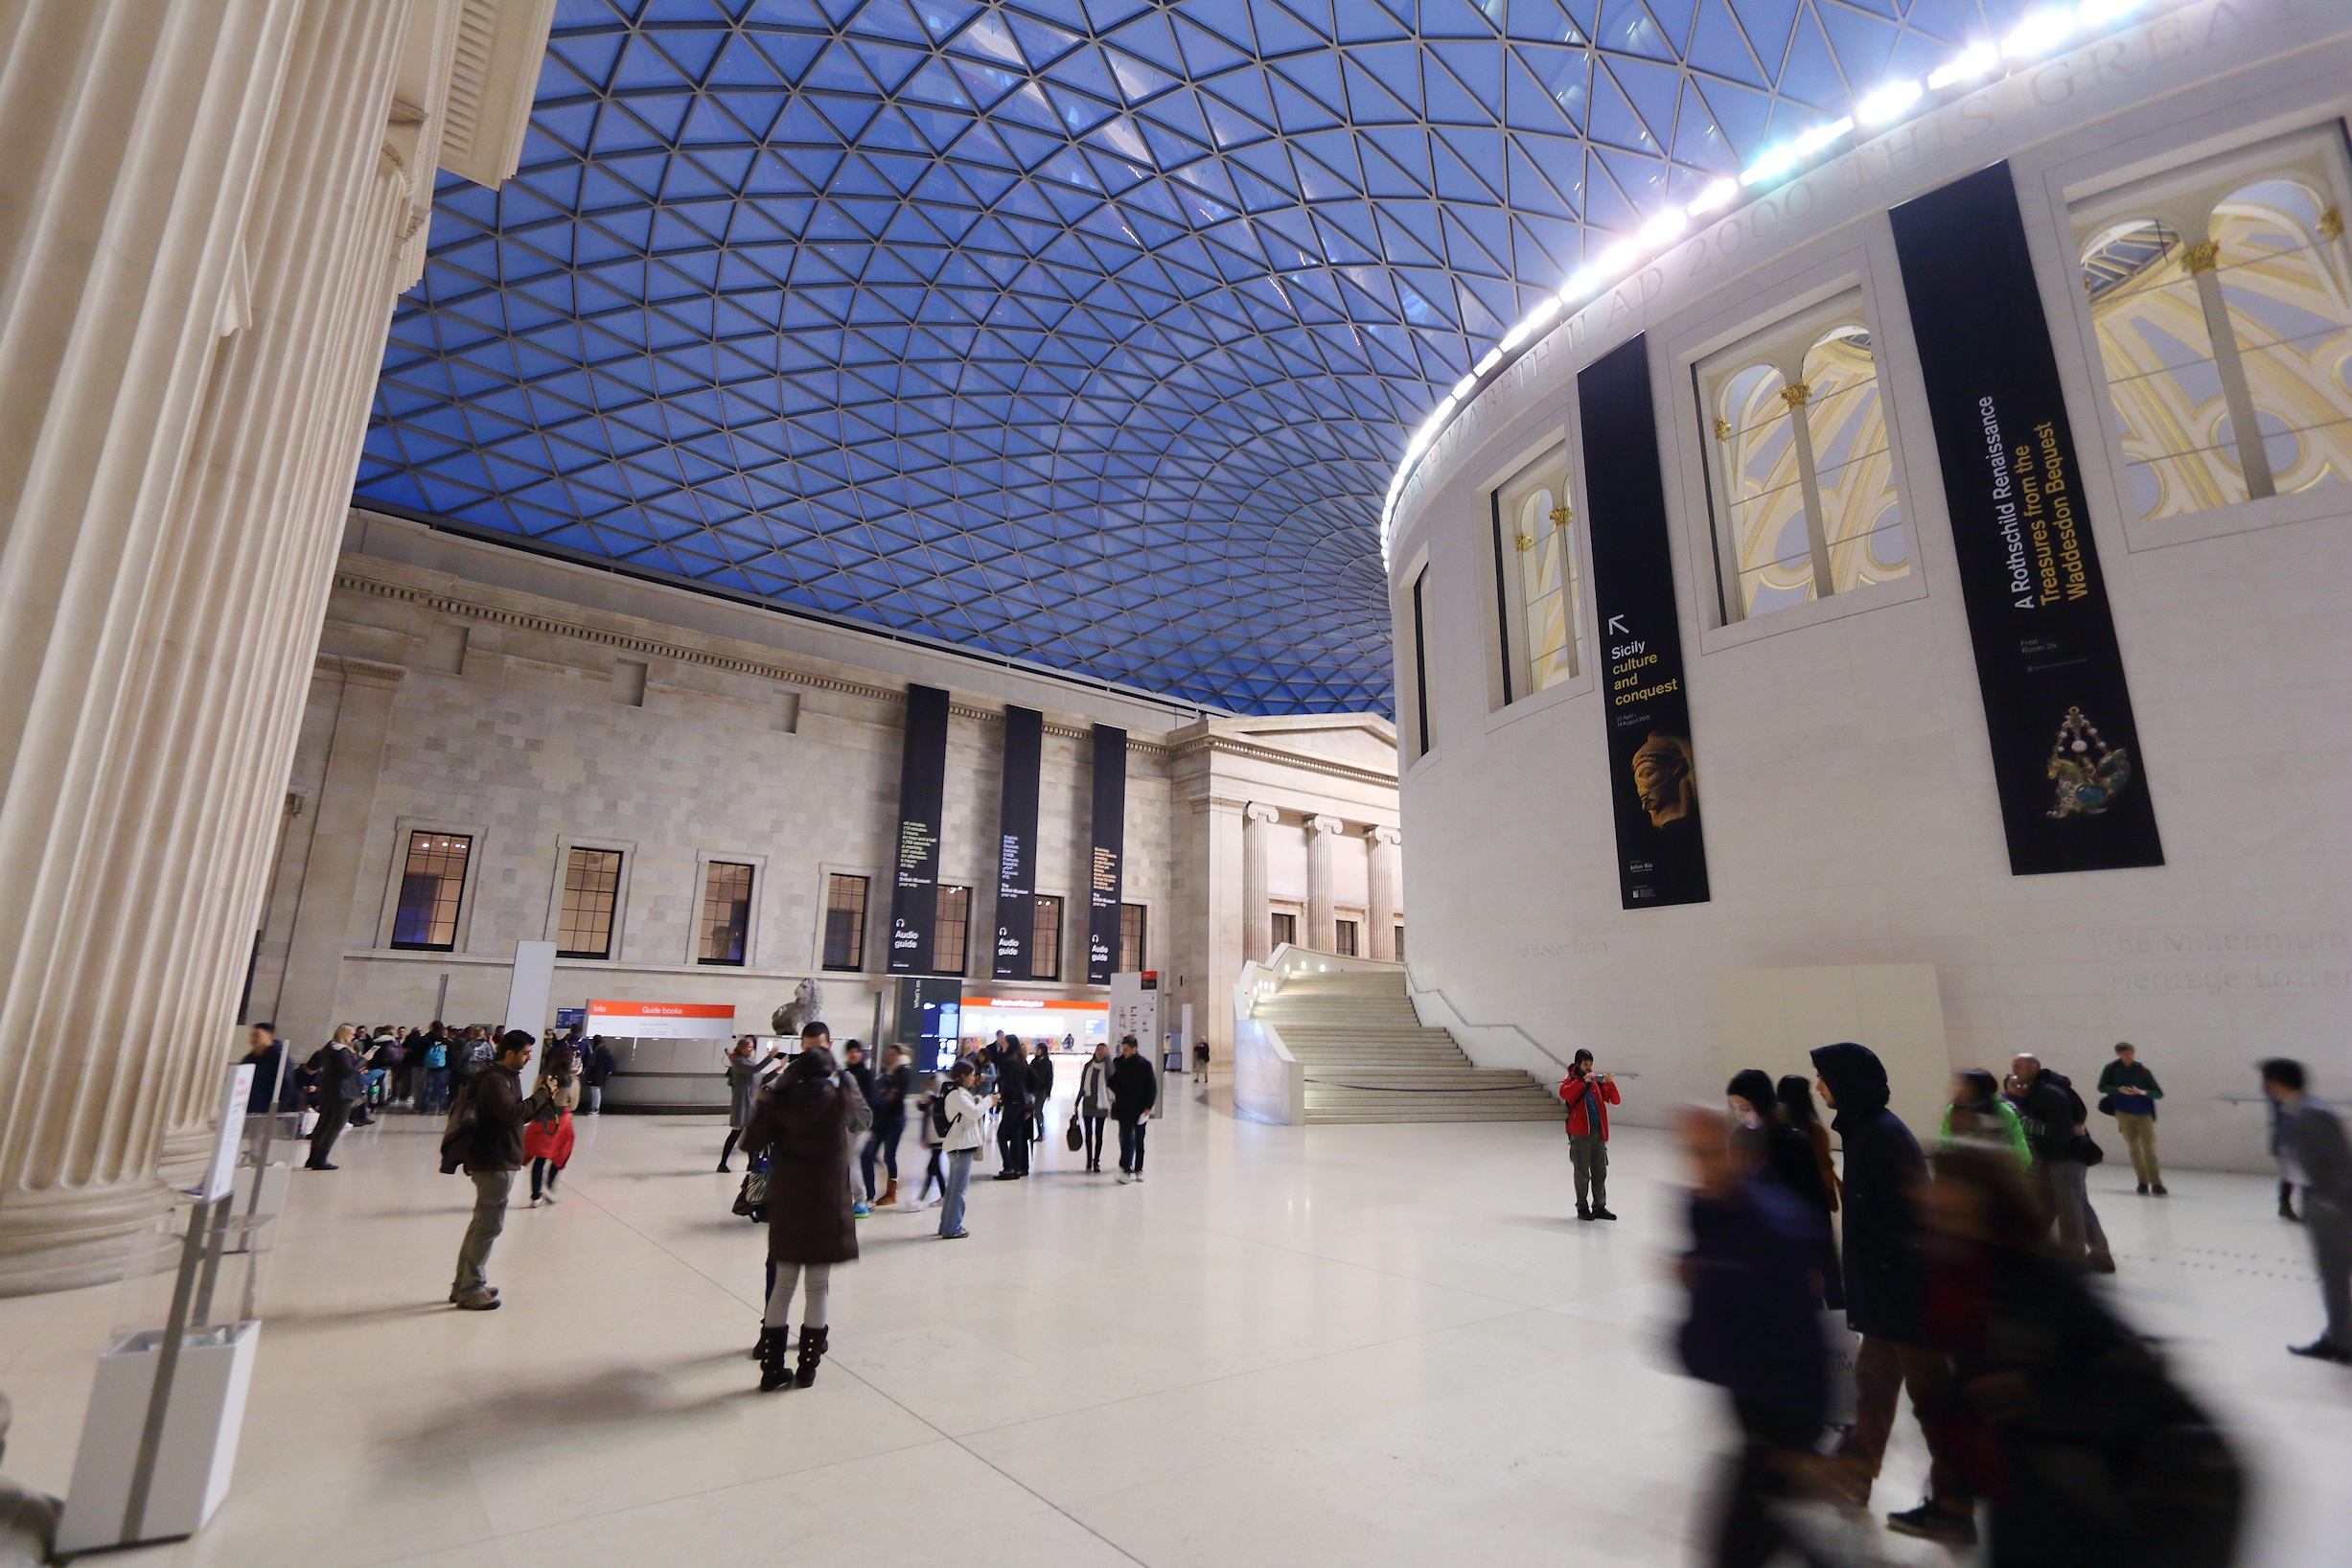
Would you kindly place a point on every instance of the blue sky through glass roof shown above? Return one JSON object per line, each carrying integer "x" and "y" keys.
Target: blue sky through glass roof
{"x": 1085, "y": 332}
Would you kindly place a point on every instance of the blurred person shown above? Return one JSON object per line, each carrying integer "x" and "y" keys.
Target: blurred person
{"x": 934, "y": 1177}
{"x": 1095, "y": 1103}
{"x": 1980, "y": 1112}
{"x": 2129, "y": 1092}
{"x": 1200, "y": 1060}
{"x": 596, "y": 1069}
{"x": 1886, "y": 1296}
{"x": 1013, "y": 1111}
{"x": 1588, "y": 1097}
{"x": 1135, "y": 1089}
{"x": 436, "y": 1049}
{"x": 1041, "y": 1089}
{"x": 892, "y": 1086}
{"x": 1753, "y": 1273}
{"x": 805, "y": 1126}
{"x": 2282, "y": 1153}
{"x": 547, "y": 1142}
{"x": 2087, "y": 1452}
{"x": 336, "y": 1074}
{"x": 2055, "y": 1120}
{"x": 1795, "y": 1093}
{"x": 2315, "y": 1137}
{"x": 484, "y": 1139}
{"x": 266, "y": 1056}
{"x": 1789, "y": 1154}
{"x": 742, "y": 1091}
{"x": 958, "y": 1117}
{"x": 855, "y": 1069}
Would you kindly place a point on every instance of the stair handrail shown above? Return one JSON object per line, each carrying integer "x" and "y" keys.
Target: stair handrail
{"x": 1466, "y": 1022}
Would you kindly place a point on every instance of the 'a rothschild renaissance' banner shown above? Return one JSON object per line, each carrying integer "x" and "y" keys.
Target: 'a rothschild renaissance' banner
{"x": 1653, "y": 772}
{"x": 922, "y": 789}
{"x": 1025, "y": 731}
{"x": 1108, "y": 872}
{"x": 2065, "y": 754}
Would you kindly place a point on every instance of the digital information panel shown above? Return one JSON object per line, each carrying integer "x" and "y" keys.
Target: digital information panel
{"x": 1653, "y": 769}
{"x": 928, "y": 1019}
{"x": 922, "y": 789}
{"x": 1025, "y": 734}
{"x": 1108, "y": 873}
{"x": 2066, "y": 753}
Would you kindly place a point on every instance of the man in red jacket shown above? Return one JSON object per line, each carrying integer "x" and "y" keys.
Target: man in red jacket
{"x": 1588, "y": 1096}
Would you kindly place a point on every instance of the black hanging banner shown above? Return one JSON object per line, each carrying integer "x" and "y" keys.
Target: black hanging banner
{"x": 2065, "y": 754}
{"x": 1025, "y": 731}
{"x": 1653, "y": 772}
{"x": 1108, "y": 872}
{"x": 922, "y": 789}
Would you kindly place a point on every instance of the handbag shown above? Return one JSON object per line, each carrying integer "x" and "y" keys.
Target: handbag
{"x": 751, "y": 1198}
{"x": 2085, "y": 1150}
{"x": 1076, "y": 1139}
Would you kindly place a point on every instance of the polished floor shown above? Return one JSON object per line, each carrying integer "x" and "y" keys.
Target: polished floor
{"x": 1360, "y": 1345}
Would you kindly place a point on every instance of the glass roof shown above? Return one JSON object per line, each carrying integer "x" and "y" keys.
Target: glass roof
{"x": 1083, "y": 331}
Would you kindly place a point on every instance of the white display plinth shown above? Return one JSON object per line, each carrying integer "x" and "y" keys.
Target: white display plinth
{"x": 199, "y": 1451}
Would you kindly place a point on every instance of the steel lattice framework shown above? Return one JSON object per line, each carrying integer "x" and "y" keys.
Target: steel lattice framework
{"x": 1083, "y": 331}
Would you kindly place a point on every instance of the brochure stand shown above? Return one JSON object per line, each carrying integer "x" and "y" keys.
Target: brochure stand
{"x": 160, "y": 1440}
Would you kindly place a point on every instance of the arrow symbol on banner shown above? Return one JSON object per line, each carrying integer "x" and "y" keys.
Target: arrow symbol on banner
{"x": 1617, "y": 623}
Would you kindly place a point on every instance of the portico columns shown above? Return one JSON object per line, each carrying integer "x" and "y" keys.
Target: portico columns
{"x": 1256, "y": 930}
{"x": 1321, "y": 921}
{"x": 1380, "y": 890}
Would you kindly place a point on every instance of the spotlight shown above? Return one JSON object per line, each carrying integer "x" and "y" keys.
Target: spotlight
{"x": 1662, "y": 228}
{"x": 1979, "y": 60}
{"x": 1717, "y": 195}
{"x": 1888, "y": 101}
{"x": 2038, "y": 32}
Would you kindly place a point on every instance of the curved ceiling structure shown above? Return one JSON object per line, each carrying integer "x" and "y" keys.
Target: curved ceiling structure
{"x": 1086, "y": 333}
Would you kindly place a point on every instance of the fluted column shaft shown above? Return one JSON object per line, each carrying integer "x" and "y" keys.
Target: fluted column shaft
{"x": 1380, "y": 846}
{"x": 1322, "y": 919}
{"x": 1257, "y": 820}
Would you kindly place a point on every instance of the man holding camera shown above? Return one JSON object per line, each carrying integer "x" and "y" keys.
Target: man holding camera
{"x": 1588, "y": 1096}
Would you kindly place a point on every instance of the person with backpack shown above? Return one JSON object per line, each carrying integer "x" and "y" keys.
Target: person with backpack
{"x": 434, "y": 1098}
{"x": 548, "y": 1143}
{"x": 1588, "y": 1096}
{"x": 2055, "y": 1115}
{"x": 1095, "y": 1103}
{"x": 805, "y": 1126}
{"x": 336, "y": 1071}
{"x": 959, "y": 1118}
{"x": 484, "y": 1139}
{"x": 1135, "y": 1089}
{"x": 596, "y": 1069}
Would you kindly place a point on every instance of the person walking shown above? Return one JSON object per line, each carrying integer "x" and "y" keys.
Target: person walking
{"x": 2054, "y": 1117}
{"x": 1135, "y": 1089}
{"x": 1795, "y": 1093}
{"x": 547, "y": 1142}
{"x": 337, "y": 1072}
{"x": 1041, "y": 1089}
{"x": 2282, "y": 1153}
{"x": 855, "y": 1071}
{"x": 1886, "y": 1288}
{"x": 596, "y": 1067}
{"x": 805, "y": 1127}
{"x": 2315, "y": 1139}
{"x": 436, "y": 1092}
{"x": 484, "y": 1139}
{"x": 1588, "y": 1097}
{"x": 1979, "y": 1113}
{"x": 892, "y": 1086}
{"x": 742, "y": 1091}
{"x": 1200, "y": 1061}
{"x": 935, "y": 1174}
{"x": 958, "y": 1117}
{"x": 266, "y": 1056}
{"x": 1789, "y": 1155}
{"x": 1095, "y": 1103}
{"x": 1012, "y": 1111}
{"x": 2129, "y": 1092}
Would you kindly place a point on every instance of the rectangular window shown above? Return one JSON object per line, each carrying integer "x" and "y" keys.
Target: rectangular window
{"x": 591, "y": 891}
{"x": 432, "y": 883}
{"x": 844, "y": 922}
{"x": 1420, "y": 662}
{"x": 1799, "y": 468}
{"x": 1344, "y": 939}
{"x": 1285, "y": 928}
{"x": 1400, "y": 944}
{"x": 1536, "y": 577}
{"x": 1045, "y": 938}
{"x": 1130, "y": 939}
{"x": 2220, "y": 296}
{"x": 726, "y": 913}
{"x": 951, "y": 926}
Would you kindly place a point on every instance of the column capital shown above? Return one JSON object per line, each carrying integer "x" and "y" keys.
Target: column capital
{"x": 1259, "y": 812}
{"x": 1381, "y": 833}
{"x": 1326, "y": 824}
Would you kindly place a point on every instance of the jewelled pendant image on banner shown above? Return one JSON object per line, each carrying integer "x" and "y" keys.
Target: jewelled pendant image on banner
{"x": 1025, "y": 730}
{"x": 2066, "y": 753}
{"x": 922, "y": 791}
{"x": 1108, "y": 877}
{"x": 1653, "y": 766}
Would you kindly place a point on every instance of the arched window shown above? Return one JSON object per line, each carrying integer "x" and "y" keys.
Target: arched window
{"x": 1536, "y": 572}
{"x": 1799, "y": 468}
{"x": 2220, "y": 296}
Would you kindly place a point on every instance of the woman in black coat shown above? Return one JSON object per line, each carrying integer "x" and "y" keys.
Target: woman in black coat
{"x": 805, "y": 1126}
{"x": 1789, "y": 1154}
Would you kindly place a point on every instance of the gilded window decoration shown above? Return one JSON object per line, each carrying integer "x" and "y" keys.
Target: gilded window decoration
{"x": 1536, "y": 577}
{"x": 2220, "y": 297}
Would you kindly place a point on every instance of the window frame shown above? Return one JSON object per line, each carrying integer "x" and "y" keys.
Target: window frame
{"x": 1143, "y": 940}
{"x": 611, "y": 915}
{"x": 1512, "y": 670}
{"x": 396, "y": 865}
{"x": 963, "y": 953}
{"x": 1495, "y": 591}
{"x": 1347, "y": 937}
{"x": 704, "y": 861}
{"x": 1057, "y": 926}
{"x": 1274, "y": 935}
{"x": 824, "y": 918}
{"x": 404, "y": 850}
{"x": 565, "y": 844}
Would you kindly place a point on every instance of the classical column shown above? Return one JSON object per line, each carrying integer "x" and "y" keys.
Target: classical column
{"x": 206, "y": 210}
{"x": 1380, "y": 890}
{"x": 1256, "y": 930}
{"x": 1322, "y": 926}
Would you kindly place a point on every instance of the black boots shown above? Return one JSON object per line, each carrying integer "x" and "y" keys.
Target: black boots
{"x": 812, "y": 1352}
{"x": 759, "y": 1350}
{"x": 773, "y": 1344}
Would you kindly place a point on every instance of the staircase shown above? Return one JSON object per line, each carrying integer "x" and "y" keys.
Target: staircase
{"x": 1369, "y": 1058}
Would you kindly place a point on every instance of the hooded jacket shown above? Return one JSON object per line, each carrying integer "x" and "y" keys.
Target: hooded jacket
{"x": 1886, "y": 1279}
{"x": 803, "y": 1126}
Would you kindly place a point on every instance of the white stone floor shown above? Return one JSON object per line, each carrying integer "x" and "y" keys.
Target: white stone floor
{"x": 1360, "y": 1345}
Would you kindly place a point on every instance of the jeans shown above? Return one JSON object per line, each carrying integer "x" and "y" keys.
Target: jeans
{"x": 2140, "y": 1136}
{"x": 436, "y": 1092}
{"x": 782, "y": 1277}
{"x": 374, "y": 1078}
{"x": 958, "y": 1178}
{"x": 490, "y": 1191}
{"x": 932, "y": 1175}
{"x": 1091, "y": 1122}
{"x": 1881, "y": 1370}
{"x": 591, "y": 1099}
{"x": 1131, "y": 1132}
{"x": 2079, "y": 1233}
{"x": 2331, "y": 1256}
{"x": 1588, "y": 1156}
{"x": 883, "y": 1146}
{"x": 542, "y": 1177}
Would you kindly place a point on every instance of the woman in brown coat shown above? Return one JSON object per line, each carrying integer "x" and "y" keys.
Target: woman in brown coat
{"x": 805, "y": 1126}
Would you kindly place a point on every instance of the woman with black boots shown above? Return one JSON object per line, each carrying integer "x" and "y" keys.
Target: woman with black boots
{"x": 804, "y": 1126}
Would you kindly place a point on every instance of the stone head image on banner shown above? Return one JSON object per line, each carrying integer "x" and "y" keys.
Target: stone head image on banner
{"x": 1665, "y": 775}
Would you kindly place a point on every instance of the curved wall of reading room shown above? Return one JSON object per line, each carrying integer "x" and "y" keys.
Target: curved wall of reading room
{"x": 1910, "y": 607}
